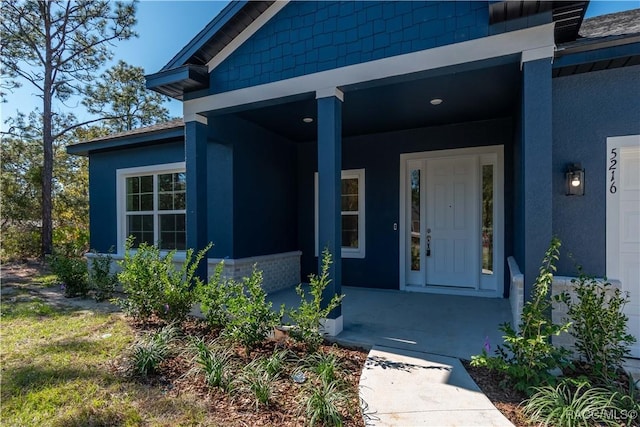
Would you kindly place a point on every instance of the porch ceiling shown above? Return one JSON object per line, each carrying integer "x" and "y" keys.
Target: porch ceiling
{"x": 470, "y": 95}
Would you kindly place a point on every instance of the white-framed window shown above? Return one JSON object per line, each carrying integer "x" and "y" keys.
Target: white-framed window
{"x": 353, "y": 213}
{"x": 151, "y": 203}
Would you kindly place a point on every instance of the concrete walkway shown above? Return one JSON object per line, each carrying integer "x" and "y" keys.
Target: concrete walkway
{"x": 413, "y": 375}
{"x": 408, "y": 388}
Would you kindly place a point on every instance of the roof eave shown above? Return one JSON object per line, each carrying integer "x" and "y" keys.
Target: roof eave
{"x": 165, "y": 135}
{"x": 203, "y": 36}
{"x": 175, "y": 82}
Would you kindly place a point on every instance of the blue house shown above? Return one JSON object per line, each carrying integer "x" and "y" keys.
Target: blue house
{"x": 434, "y": 146}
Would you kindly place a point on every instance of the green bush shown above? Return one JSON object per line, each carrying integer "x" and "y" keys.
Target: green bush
{"x": 250, "y": 317}
{"x": 599, "y": 326}
{"x": 102, "y": 280}
{"x": 72, "y": 274}
{"x": 577, "y": 403}
{"x": 153, "y": 285}
{"x": 308, "y": 316}
{"x": 528, "y": 356}
{"x": 213, "y": 298}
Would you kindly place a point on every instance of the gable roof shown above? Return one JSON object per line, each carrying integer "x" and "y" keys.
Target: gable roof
{"x": 186, "y": 71}
{"x": 171, "y": 129}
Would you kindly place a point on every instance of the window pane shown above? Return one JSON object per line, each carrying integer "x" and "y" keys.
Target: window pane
{"x": 133, "y": 185}
{"x": 172, "y": 231}
{"x": 167, "y": 240}
{"x": 133, "y": 203}
{"x": 415, "y": 220}
{"x": 141, "y": 227}
{"x": 349, "y": 202}
{"x": 179, "y": 201}
{"x": 350, "y": 231}
{"x": 146, "y": 202}
{"x": 165, "y": 202}
{"x": 487, "y": 219}
{"x": 350, "y": 186}
{"x": 181, "y": 241}
{"x": 165, "y": 182}
{"x": 146, "y": 184}
{"x": 180, "y": 181}
{"x": 167, "y": 223}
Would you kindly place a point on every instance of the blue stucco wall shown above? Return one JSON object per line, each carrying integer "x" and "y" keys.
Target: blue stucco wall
{"x": 588, "y": 108}
{"x": 254, "y": 212}
{"x": 308, "y": 36}
{"x": 379, "y": 155}
{"x": 102, "y": 185}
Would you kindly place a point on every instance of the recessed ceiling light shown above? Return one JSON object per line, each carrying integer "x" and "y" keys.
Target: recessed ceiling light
{"x": 436, "y": 101}
{"x": 308, "y": 120}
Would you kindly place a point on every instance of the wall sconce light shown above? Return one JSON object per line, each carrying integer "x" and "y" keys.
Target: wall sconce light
{"x": 575, "y": 180}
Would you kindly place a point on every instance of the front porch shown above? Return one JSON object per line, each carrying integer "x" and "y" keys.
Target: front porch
{"x": 448, "y": 325}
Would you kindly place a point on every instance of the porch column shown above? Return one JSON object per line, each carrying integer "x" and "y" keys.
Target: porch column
{"x": 329, "y": 195}
{"x": 195, "y": 146}
{"x": 536, "y": 167}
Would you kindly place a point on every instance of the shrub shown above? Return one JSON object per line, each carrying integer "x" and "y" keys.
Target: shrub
{"x": 308, "y": 316}
{"x": 528, "y": 356}
{"x": 599, "y": 326}
{"x": 148, "y": 352}
{"x": 72, "y": 274}
{"x": 573, "y": 404}
{"x": 322, "y": 404}
{"x": 250, "y": 317}
{"x": 154, "y": 286}
{"x": 101, "y": 279}
{"x": 213, "y": 298}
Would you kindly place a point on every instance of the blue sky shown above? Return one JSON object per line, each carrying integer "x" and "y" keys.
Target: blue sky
{"x": 165, "y": 26}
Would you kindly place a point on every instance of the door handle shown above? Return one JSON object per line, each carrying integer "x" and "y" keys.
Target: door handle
{"x": 428, "y": 251}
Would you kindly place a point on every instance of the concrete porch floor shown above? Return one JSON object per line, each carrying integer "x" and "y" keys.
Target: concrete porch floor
{"x": 439, "y": 324}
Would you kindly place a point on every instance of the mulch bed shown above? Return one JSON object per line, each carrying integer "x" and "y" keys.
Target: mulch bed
{"x": 176, "y": 376}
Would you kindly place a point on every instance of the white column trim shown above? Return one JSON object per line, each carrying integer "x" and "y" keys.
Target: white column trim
{"x": 332, "y": 327}
{"x": 330, "y": 92}
{"x": 509, "y": 43}
{"x": 246, "y": 34}
{"x": 538, "y": 53}
{"x": 195, "y": 117}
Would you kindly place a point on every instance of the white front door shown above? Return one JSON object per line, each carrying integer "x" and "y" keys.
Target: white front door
{"x": 451, "y": 237}
{"x": 452, "y": 222}
{"x": 623, "y": 224}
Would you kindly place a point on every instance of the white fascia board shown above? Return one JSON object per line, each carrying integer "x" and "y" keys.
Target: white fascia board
{"x": 510, "y": 43}
{"x": 269, "y": 13}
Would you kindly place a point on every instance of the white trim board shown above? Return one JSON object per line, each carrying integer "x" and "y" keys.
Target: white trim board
{"x": 613, "y": 201}
{"x": 538, "y": 39}
{"x": 483, "y": 154}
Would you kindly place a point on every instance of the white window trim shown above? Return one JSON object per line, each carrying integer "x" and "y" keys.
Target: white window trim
{"x": 360, "y": 252}
{"x": 121, "y": 191}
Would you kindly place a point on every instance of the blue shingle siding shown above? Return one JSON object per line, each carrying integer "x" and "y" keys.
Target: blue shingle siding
{"x": 307, "y": 37}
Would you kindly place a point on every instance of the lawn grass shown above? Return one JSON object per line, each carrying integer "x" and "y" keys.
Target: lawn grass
{"x": 56, "y": 372}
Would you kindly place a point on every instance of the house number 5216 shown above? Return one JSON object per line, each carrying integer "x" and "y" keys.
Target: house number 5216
{"x": 613, "y": 165}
